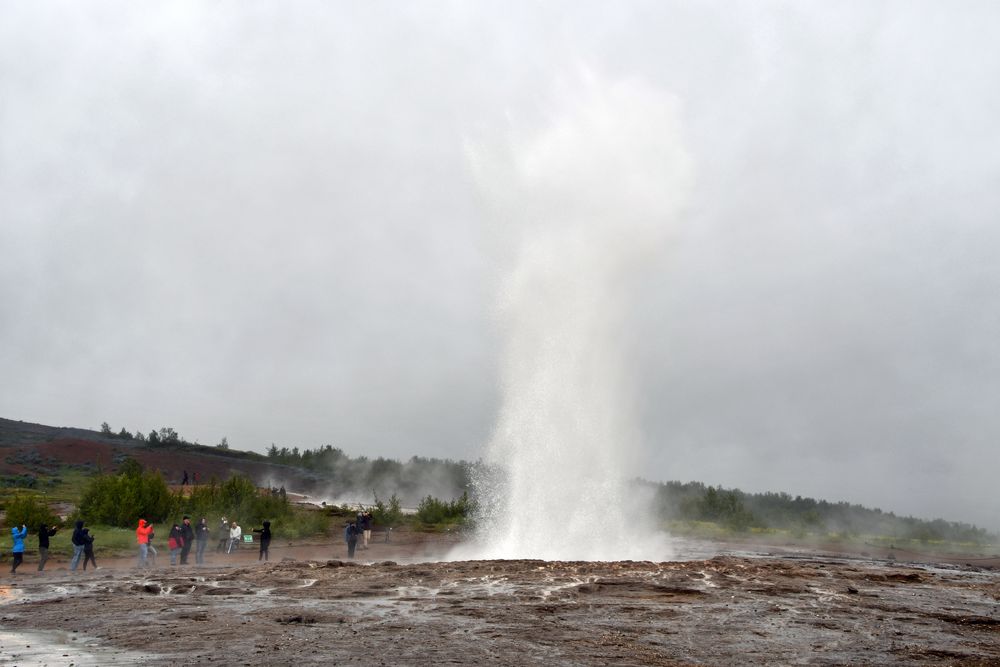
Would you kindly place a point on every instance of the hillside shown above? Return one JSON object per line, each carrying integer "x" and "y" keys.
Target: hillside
{"x": 34, "y": 450}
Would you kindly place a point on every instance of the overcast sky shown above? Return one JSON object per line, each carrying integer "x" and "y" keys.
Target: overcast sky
{"x": 261, "y": 221}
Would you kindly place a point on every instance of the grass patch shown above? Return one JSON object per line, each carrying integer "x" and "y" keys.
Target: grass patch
{"x": 708, "y": 530}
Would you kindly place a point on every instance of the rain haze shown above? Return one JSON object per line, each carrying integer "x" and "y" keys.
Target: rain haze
{"x": 295, "y": 225}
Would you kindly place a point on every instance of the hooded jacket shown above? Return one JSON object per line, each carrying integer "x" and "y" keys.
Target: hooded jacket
{"x": 88, "y": 541}
{"x": 44, "y": 533}
{"x": 19, "y": 534}
{"x": 265, "y": 532}
{"x": 78, "y": 534}
{"x": 143, "y": 531}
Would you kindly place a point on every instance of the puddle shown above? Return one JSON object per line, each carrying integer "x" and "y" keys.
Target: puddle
{"x": 54, "y": 647}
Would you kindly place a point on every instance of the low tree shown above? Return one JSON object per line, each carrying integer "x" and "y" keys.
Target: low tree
{"x": 168, "y": 436}
{"x": 387, "y": 515}
{"x": 123, "y": 499}
{"x": 26, "y": 509}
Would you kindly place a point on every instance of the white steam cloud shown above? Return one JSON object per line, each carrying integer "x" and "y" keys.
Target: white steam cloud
{"x": 589, "y": 200}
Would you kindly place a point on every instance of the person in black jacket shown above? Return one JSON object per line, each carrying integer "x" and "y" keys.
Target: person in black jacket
{"x": 88, "y": 549}
{"x": 201, "y": 532}
{"x": 187, "y": 532}
{"x": 265, "y": 540}
{"x": 44, "y": 533}
{"x": 351, "y": 537}
{"x": 223, "y": 535}
{"x": 78, "y": 544}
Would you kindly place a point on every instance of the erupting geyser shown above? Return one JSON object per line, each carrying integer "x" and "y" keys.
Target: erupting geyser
{"x": 589, "y": 200}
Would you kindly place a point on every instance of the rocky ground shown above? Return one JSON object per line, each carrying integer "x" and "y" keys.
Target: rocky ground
{"x": 312, "y": 608}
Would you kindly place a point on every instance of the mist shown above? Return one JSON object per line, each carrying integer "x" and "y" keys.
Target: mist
{"x": 272, "y": 224}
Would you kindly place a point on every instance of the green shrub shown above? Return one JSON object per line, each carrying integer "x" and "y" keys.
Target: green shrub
{"x": 19, "y": 481}
{"x": 300, "y": 523}
{"x": 29, "y": 510}
{"x": 238, "y": 499}
{"x": 432, "y": 510}
{"x": 387, "y": 515}
{"x": 122, "y": 499}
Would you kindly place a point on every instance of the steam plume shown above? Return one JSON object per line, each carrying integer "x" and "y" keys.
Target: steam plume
{"x": 586, "y": 202}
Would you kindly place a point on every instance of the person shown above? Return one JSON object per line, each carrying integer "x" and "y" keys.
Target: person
{"x": 78, "y": 544}
{"x": 88, "y": 549}
{"x": 351, "y": 537}
{"x": 18, "y": 551}
{"x": 187, "y": 532}
{"x": 143, "y": 534}
{"x": 201, "y": 537}
{"x": 44, "y": 533}
{"x": 153, "y": 553}
{"x": 235, "y": 535}
{"x": 265, "y": 540}
{"x": 366, "y": 527}
{"x": 223, "y": 534}
{"x": 174, "y": 542}
{"x": 184, "y": 482}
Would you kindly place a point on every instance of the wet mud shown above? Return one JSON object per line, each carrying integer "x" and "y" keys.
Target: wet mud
{"x": 725, "y": 610}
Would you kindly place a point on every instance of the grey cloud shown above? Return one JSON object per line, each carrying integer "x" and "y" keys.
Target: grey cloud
{"x": 260, "y": 221}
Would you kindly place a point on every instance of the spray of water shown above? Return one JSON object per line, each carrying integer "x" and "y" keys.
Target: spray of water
{"x": 586, "y": 202}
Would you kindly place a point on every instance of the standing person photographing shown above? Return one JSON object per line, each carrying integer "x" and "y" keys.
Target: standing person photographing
{"x": 187, "y": 534}
{"x": 44, "y": 533}
{"x": 265, "y": 540}
{"x": 18, "y": 550}
{"x": 79, "y": 542}
{"x": 142, "y": 534}
{"x": 201, "y": 533}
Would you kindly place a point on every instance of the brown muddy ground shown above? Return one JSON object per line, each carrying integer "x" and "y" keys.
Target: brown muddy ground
{"x": 726, "y": 610}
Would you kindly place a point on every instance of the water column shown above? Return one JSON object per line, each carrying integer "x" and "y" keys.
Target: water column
{"x": 585, "y": 204}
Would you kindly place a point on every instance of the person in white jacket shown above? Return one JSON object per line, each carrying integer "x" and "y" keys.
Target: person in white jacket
{"x": 235, "y": 535}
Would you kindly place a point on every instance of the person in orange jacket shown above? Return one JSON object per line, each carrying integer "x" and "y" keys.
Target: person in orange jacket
{"x": 142, "y": 536}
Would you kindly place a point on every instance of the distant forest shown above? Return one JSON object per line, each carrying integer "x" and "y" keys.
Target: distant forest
{"x": 685, "y": 501}
{"x": 418, "y": 478}
{"x": 736, "y": 510}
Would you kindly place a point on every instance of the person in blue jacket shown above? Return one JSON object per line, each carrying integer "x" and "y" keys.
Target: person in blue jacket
{"x": 18, "y": 536}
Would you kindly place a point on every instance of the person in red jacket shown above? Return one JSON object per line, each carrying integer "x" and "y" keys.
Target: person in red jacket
{"x": 175, "y": 542}
{"x": 142, "y": 536}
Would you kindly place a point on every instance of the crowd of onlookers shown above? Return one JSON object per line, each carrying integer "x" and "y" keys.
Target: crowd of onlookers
{"x": 182, "y": 538}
